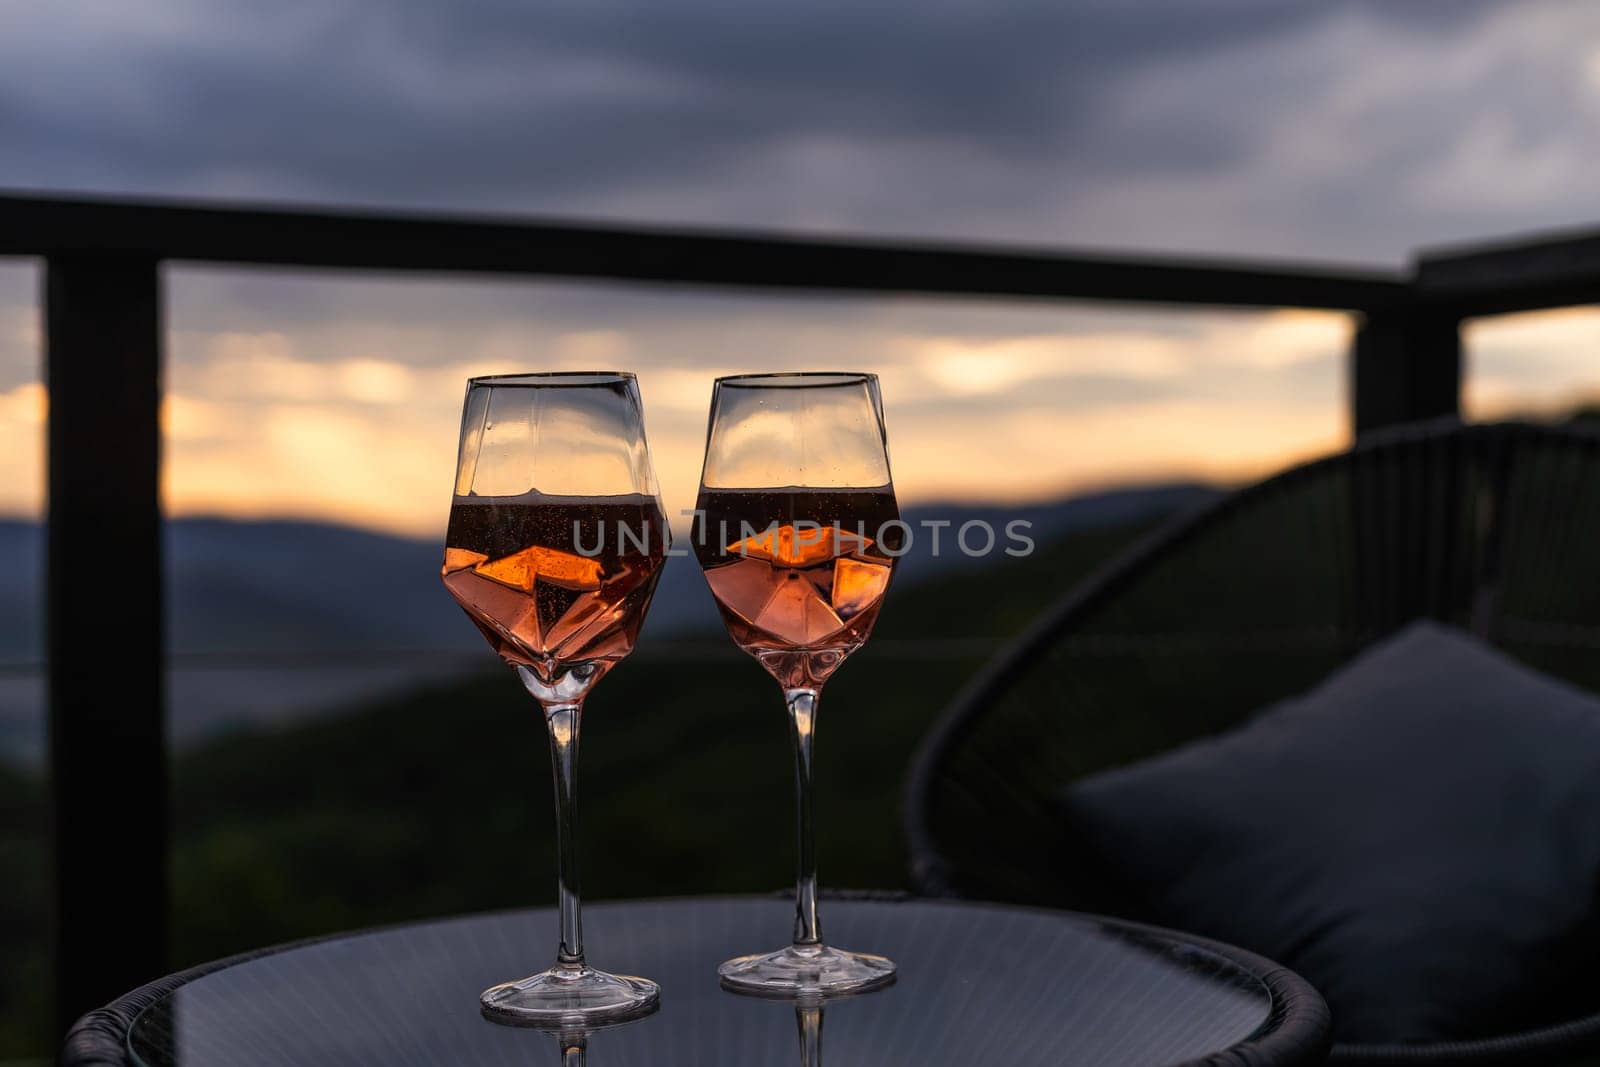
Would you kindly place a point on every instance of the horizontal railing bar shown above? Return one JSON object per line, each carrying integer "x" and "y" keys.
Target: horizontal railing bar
{"x": 1557, "y": 270}
{"x": 169, "y": 230}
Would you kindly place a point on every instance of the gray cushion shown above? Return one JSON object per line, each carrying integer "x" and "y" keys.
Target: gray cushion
{"x": 1419, "y": 836}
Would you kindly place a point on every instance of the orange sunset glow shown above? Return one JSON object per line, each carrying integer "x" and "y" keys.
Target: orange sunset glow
{"x": 352, "y": 418}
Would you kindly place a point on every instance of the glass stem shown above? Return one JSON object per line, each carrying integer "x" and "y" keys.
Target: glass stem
{"x": 802, "y": 721}
{"x": 808, "y": 1020}
{"x": 574, "y": 1049}
{"x": 563, "y": 721}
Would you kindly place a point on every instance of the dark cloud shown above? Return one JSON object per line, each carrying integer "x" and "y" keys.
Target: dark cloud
{"x": 1003, "y": 119}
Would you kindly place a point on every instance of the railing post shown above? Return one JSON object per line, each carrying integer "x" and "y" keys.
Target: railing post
{"x": 104, "y": 626}
{"x": 1406, "y": 366}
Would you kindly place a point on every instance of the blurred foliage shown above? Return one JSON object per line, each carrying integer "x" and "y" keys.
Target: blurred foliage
{"x": 440, "y": 801}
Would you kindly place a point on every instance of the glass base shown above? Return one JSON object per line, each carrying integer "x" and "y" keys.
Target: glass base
{"x": 567, "y": 995}
{"x": 797, "y": 971}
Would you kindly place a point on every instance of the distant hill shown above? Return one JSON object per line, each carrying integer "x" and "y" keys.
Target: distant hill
{"x": 259, "y": 587}
{"x": 357, "y": 614}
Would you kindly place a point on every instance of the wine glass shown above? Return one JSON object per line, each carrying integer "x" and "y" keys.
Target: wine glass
{"x": 555, "y": 544}
{"x": 797, "y": 531}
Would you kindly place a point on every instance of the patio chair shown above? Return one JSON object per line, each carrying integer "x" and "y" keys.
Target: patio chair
{"x": 1494, "y": 529}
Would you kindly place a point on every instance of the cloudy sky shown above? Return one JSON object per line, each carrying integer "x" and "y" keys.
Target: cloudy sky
{"x": 1350, "y": 132}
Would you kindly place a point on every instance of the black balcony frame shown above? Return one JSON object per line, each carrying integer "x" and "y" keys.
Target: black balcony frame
{"x": 103, "y": 365}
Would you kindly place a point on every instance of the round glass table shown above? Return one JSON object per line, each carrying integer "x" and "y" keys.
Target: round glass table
{"x": 977, "y": 984}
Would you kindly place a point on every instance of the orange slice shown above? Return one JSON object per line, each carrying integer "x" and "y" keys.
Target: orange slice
{"x": 566, "y": 569}
{"x": 459, "y": 559}
{"x": 789, "y": 547}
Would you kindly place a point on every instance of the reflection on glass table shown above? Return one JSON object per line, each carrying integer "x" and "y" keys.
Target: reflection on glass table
{"x": 1086, "y": 991}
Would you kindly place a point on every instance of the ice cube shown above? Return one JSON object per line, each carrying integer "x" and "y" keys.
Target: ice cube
{"x": 857, "y": 585}
{"x": 798, "y": 615}
{"x": 504, "y": 610}
{"x": 744, "y": 586}
{"x": 555, "y": 603}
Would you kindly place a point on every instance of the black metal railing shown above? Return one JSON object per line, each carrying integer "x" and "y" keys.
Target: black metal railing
{"x": 103, "y": 365}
